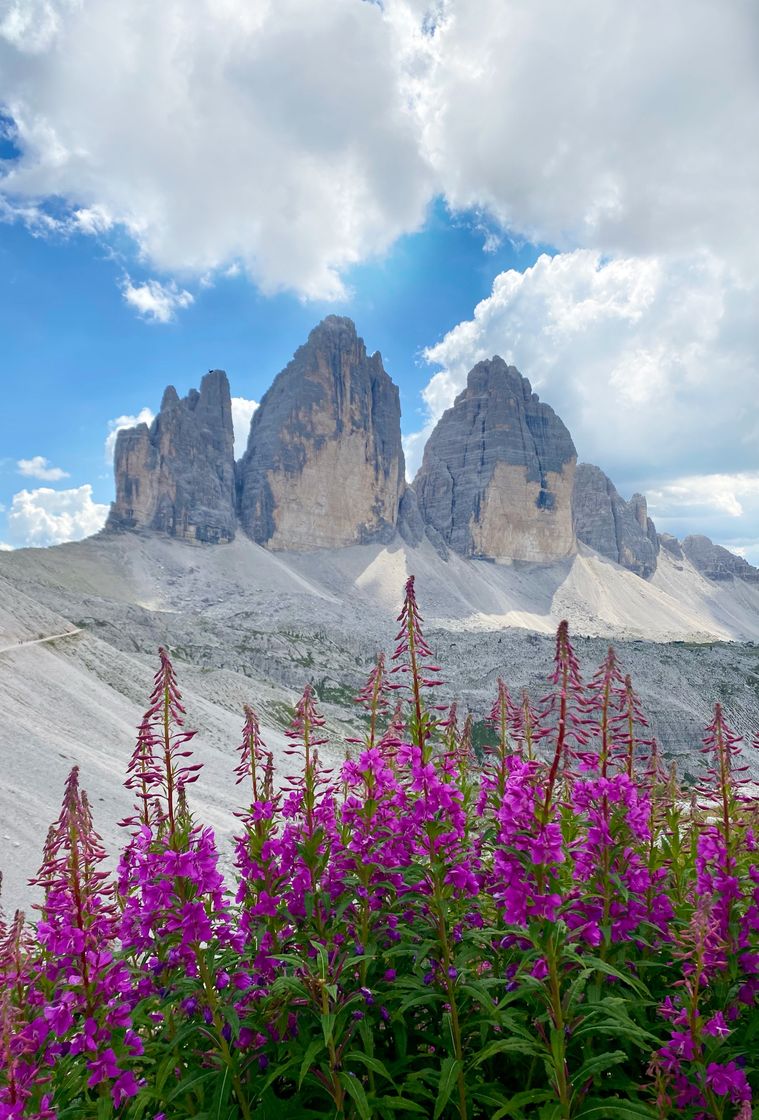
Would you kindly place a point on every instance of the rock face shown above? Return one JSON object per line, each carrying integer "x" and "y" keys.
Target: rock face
{"x": 671, "y": 545}
{"x": 619, "y": 530}
{"x": 177, "y": 476}
{"x": 718, "y": 563}
{"x": 496, "y": 477}
{"x": 324, "y": 465}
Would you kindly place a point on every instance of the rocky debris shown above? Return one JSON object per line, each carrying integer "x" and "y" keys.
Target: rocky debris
{"x": 671, "y": 545}
{"x": 496, "y": 477}
{"x": 619, "y": 530}
{"x": 178, "y": 475}
{"x": 410, "y": 524}
{"x": 718, "y": 563}
{"x": 324, "y": 465}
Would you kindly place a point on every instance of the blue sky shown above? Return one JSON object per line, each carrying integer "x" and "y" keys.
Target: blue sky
{"x": 192, "y": 186}
{"x": 78, "y": 355}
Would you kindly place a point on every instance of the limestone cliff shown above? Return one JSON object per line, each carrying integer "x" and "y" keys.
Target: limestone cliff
{"x": 324, "y": 465}
{"x": 177, "y": 476}
{"x": 496, "y": 477}
{"x": 619, "y": 530}
{"x": 718, "y": 563}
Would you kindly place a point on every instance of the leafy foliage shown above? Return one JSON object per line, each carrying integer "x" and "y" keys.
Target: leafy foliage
{"x": 545, "y": 929}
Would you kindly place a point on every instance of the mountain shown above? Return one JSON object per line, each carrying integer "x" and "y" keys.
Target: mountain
{"x": 620, "y": 530}
{"x": 496, "y": 477}
{"x": 245, "y": 624}
{"x": 716, "y": 562}
{"x": 178, "y": 475}
{"x": 324, "y": 465}
{"x": 324, "y": 468}
{"x": 288, "y": 567}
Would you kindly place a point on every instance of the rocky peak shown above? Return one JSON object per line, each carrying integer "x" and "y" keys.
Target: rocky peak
{"x": 622, "y": 531}
{"x": 718, "y": 563}
{"x": 671, "y": 545}
{"x": 177, "y": 476}
{"x": 496, "y": 477}
{"x": 324, "y": 465}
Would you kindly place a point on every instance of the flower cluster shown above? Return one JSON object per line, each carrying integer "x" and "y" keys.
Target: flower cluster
{"x": 548, "y": 927}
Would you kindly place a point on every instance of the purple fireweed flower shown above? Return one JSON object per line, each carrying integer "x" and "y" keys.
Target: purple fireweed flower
{"x": 123, "y": 1088}
{"x": 716, "y": 1026}
{"x": 103, "y": 1068}
{"x": 728, "y": 1078}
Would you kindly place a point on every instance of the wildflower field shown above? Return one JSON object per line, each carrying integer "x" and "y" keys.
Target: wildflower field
{"x": 551, "y": 929}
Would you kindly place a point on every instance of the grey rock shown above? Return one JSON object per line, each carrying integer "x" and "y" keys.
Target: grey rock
{"x": 410, "y": 523}
{"x": 671, "y": 545}
{"x": 496, "y": 477}
{"x": 324, "y": 465}
{"x": 436, "y": 541}
{"x": 177, "y": 476}
{"x": 718, "y": 563}
{"x": 622, "y": 531}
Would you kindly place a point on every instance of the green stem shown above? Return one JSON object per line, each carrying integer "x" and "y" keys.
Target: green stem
{"x": 557, "y": 1014}
{"x": 213, "y": 1004}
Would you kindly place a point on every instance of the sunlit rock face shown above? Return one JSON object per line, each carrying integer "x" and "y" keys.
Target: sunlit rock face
{"x": 497, "y": 474}
{"x": 178, "y": 475}
{"x": 324, "y": 466}
{"x": 619, "y": 530}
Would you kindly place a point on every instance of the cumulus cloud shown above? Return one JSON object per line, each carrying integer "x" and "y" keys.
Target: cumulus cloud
{"x": 295, "y": 139}
{"x": 276, "y": 135}
{"x": 651, "y": 362}
{"x": 5, "y": 547}
{"x": 144, "y": 416}
{"x": 156, "y": 302}
{"x": 724, "y": 507}
{"x": 242, "y": 412}
{"x": 45, "y": 516}
{"x": 41, "y": 468}
{"x": 623, "y": 127}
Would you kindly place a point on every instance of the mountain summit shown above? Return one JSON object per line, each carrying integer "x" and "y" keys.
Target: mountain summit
{"x": 496, "y": 478}
{"x": 324, "y": 469}
{"x": 177, "y": 476}
{"x": 324, "y": 465}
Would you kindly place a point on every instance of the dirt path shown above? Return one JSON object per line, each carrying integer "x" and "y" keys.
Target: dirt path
{"x": 38, "y": 641}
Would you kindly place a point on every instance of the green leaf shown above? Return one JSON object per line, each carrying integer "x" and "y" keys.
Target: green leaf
{"x": 449, "y": 1072}
{"x": 374, "y": 1064}
{"x": 519, "y": 1100}
{"x": 105, "y": 1108}
{"x": 191, "y": 1082}
{"x": 401, "y": 1104}
{"x": 507, "y": 1046}
{"x": 595, "y": 964}
{"x": 308, "y": 1059}
{"x": 355, "y": 1090}
{"x": 598, "y": 1064}
{"x": 615, "y": 1110}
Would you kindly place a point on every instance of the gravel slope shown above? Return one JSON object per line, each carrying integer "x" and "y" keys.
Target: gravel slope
{"x": 246, "y": 625}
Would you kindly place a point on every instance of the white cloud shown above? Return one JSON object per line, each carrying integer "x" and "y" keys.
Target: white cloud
{"x": 45, "y": 516}
{"x": 724, "y": 507}
{"x": 702, "y": 495}
{"x": 5, "y": 547}
{"x": 155, "y": 301}
{"x": 296, "y": 139}
{"x": 627, "y": 128}
{"x": 144, "y": 416}
{"x": 242, "y": 412}
{"x": 276, "y": 135}
{"x": 92, "y": 220}
{"x": 651, "y": 362}
{"x": 39, "y": 467}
